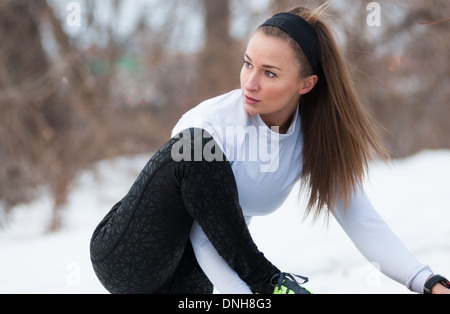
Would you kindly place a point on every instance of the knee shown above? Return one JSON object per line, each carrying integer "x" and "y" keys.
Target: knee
{"x": 196, "y": 145}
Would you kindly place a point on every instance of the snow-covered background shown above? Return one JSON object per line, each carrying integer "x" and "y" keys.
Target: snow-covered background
{"x": 411, "y": 194}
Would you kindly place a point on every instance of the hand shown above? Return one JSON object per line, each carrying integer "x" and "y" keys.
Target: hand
{"x": 440, "y": 289}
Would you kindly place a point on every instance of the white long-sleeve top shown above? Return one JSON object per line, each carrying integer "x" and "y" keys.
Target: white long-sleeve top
{"x": 266, "y": 166}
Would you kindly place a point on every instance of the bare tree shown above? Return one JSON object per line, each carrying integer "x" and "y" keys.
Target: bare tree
{"x": 45, "y": 136}
{"x": 218, "y": 63}
{"x": 400, "y": 69}
{"x": 19, "y": 129}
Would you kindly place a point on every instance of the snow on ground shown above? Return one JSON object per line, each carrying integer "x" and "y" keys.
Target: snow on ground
{"x": 411, "y": 194}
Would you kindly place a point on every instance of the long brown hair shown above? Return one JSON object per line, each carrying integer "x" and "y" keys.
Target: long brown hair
{"x": 338, "y": 134}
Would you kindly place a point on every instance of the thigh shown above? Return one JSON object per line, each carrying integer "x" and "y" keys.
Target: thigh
{"x": 211, "y": 197}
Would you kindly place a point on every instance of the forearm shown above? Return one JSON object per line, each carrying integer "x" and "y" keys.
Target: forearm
{"x": 222, "y": 276}
{"x": 376, "y": 241}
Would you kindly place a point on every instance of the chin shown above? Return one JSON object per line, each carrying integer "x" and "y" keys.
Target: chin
{"x": 250, "y": 110}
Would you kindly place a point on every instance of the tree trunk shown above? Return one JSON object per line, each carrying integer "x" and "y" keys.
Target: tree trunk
{"x": 219, "y": 61}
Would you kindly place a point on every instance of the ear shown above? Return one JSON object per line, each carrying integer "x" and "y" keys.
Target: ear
{"x": 308, "y": 84}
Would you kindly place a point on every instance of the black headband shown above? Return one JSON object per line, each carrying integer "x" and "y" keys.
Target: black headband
{"x": 303, "y": 33}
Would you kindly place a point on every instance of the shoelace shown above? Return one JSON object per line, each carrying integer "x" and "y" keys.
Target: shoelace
{"x": 282, "y": 277}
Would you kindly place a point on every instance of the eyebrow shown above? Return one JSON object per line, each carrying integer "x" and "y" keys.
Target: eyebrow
{"x": 265, "y": 66}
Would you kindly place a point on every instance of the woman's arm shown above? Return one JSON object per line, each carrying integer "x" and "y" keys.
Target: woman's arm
{"x": 222, "y": 276}
{"x": 376, "y": 241}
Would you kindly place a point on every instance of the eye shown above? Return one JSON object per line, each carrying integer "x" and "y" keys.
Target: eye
{"x": 270, "y": 74}
{"x": 248, "y": 65}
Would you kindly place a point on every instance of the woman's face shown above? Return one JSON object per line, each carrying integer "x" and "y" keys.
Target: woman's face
{"x": 270, "y": 80}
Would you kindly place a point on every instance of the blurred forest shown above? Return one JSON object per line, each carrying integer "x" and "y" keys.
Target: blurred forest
{"x": 88, "y": 80}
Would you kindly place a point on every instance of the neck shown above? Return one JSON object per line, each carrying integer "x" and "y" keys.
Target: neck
{"x": 282, "y": 122}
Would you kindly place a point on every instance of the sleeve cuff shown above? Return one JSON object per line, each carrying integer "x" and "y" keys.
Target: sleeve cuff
{"x": 417, "y": 282}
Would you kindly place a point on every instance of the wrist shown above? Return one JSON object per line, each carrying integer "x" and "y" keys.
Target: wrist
{"x": 435, "y": 284}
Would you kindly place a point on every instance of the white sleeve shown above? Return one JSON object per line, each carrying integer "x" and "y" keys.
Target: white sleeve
{"x": 222, "y": 276}
{"x": 376, "y": 241}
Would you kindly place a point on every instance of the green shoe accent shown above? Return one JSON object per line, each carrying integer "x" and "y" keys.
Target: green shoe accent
{"x": 287, "y": 284}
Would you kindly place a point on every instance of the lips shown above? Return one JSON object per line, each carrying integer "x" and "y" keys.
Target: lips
{"x": 251, "y": 101}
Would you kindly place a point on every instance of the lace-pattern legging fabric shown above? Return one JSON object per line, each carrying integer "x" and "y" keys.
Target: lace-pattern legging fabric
{"x": 143, "y": 246}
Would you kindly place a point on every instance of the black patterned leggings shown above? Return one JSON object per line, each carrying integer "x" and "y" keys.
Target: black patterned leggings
{"x": 142, "y": 245}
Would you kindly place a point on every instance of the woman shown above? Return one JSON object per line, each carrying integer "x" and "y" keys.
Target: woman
{"x": 182, "y": 227}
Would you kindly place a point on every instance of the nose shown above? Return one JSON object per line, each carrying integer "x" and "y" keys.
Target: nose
{"x": 252, "y": 82}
